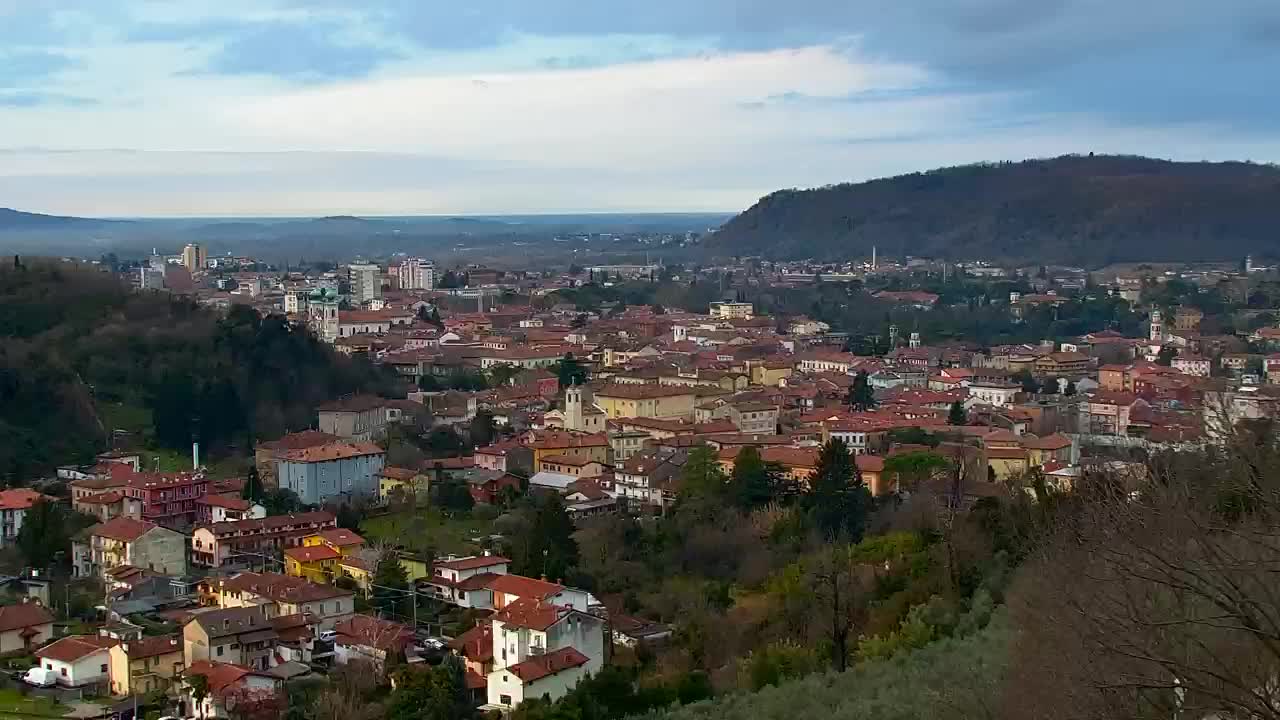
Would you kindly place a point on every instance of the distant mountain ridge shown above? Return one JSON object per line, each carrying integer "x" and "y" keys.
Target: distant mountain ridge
{"x": 1080, "y": 210}
{"x": 11, "y": 219}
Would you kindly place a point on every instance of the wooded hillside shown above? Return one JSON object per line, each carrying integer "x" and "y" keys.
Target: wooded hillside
{"x": 1072, "y": 209}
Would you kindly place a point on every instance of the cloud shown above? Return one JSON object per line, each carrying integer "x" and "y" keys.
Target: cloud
{"x": 29, "y": 98}
{"x": 21, "y": 68}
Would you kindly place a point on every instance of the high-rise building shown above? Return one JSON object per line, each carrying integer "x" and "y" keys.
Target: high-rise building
{"x": 366, "y": 282}
{"x": 195, "y": 258}
{"x": 417, "y": 274}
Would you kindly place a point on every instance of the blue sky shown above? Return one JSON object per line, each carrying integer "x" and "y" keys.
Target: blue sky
{"x": 288, "y": 107}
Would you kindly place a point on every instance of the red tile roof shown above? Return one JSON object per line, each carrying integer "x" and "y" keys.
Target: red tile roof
{"x": 475, "y": 644}
{"x": 230, "y": 502}
{"x": 300, "y": 440}
{"x": 152, "y": 646}
{"x": 341, "y": 537}
{"x": 282, "y": 588}
{"x": 472, "y": 563}
{"x": 73, "y": 647}
{"x": 531, "y": 613}
{"x": 222, "y": 676}
{"x": 524, "y": 587}
{"x": 19, "y": 498}
{"x": 122, "y": 528}
{"x": 25, "y": 615}
{"x": 314, "y": 553}
{"x": 270, "y": 523}
{"x": 540, "y": 666}
{"x": 332, "y": 451}
{"x": 373, "y": 632}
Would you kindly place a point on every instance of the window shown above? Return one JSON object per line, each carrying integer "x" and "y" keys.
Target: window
{"x": 219, "y": 651}
{"x": 235, "y": 646}
{"x": 504, "y": 699}
{"x": 64, "y": 672}
{"x": 102, "y": 667}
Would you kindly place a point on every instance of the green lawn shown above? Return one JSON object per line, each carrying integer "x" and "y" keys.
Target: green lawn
{"x": 12, "y": 704}
{"x": 427, "y": 529}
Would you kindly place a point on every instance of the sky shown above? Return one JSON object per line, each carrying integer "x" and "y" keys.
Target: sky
{"x": 129, "y": 108}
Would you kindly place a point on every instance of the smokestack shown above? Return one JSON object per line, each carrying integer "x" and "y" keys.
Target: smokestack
{"x": 195, "y": 456}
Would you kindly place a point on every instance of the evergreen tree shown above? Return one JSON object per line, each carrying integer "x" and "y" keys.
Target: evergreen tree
{"x": 570, "y": 372}
{"x": 1070, "y": 389}
{"x": 837, "y": 501}
{"x": 482, "y": 429}
{"x": 549, "y": 549}
{"x": 861, "y": 396}
{"x": 390, "y": 584}
{"x": 753, "y": 482}
{"x": 252, "y": 490}
{"x": 957, "y": 414}
{"x": 44, "y": 533}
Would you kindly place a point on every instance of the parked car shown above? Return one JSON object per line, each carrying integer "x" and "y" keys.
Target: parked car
{"x": 328, "y": 635}
{"x": 40, "y": 677}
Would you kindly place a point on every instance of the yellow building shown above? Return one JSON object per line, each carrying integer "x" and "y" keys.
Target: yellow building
{"x": 344, "y": 541}
{"x": 358, "y": 570}
{"x": 146, "y": 665}
{"x": 402, "y": 479}
{"x": 586, "y": 446}
{"x": 317, "y": 563}
{"x": 415, "y": 568}
{"x": 770, "y": 374}
{"x": 671, "y": 402}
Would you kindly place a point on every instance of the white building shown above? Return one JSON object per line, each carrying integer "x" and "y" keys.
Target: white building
{"x": 540, "y": 648}
{"x": 999, "y": 394}
{"x": 417, "y": 274}
{"x": 732, "y": 310}
{"x": 150, "y": 278}
{"x": 1192, "y": 365}
{"x": 366, "y": 282}
{"x": 465, "y": 581}
{"x": 78, "y": 660}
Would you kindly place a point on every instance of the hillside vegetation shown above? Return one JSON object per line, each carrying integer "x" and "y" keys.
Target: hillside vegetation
{"x": 81, "y": 355}
{"x": 1076, "y": 210}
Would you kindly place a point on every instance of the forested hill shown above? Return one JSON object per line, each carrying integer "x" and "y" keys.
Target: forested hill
{"x": 82, "y": 355}
{"x": 1072, "y": 209}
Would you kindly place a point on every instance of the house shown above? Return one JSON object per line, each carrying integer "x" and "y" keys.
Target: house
{"x": 475, "y": 647}
{"x": 229, "y": 687}
{"x": 318, "y": 563}
{"x": 78, "y": 660}
{"x": 1055, "y": 448}
{"x": 361, "y": 637}
{"x": 1061, "y": 364}
{"x": 630, "y": 631}
{"x": 799, "y": 464}
{"x": 337, "y": 471}
{"x": 122, "y": 541}
{"x": 360, "y": 418}
{"x": 650, "y": 478}
{"x": 1194, "y": 365}
{"x": 264, "y": 453}
{"x": 565, "y": 442}
{"x": 240, "y": 635}
{"x": 997, "y": 393}
{"x": 574, "y": 465}
{"x": 280, "y": 595}
{"x": 228, "y": 543}
{"x": 673, "y": 402}
{"x": 551, "y": 675}
{"x": 871, "y": 470}
{"x": 540, "y": 648}
{"x": 753, "y": 417}
{"x": 14, "y": 504}
{"x": 508, "y": 589}
{"x": 401, "y": 482}
{"x": 465, "y": 581}
{"x": 144, "y": 665}
{"x": 24, "y": 626}
{"x": 224, "y": 507}
{"x": 490, "y": 489}
{"x": 506, "y": 456}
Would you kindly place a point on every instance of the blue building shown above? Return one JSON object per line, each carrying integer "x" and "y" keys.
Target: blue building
{"x": 336, "y": 471}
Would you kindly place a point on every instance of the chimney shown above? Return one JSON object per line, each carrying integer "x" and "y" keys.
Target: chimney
{"x": 195, "y": 456}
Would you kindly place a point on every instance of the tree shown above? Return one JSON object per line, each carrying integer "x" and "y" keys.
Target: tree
{"x": 579, "y": 321}
{"x": 450, "y": 280}
{"x": 199, "y": 689}
{"x": 503, "y": 374}
{"x": 570, "y": 372}
{"x": 482, "y": 428}
{"x": 753, "y": 482}
{"x": 913, "y": 468}
{"x": 390, "y": 583}
{"x": 431, "y": 693}
{"x": 702, "y": 480}
{"x": 1070, "y": 389}
{"x": 957, "y": 414}
{"x": 837, "y": 501}
{"x": 253, "y": 490}
{"x": 1166, "y": 355}
{"x": 1028, "y": 382}
{"x": 861, "y": 396}
{"x": 548, "y": 549}
{"x": 46, "y": 532}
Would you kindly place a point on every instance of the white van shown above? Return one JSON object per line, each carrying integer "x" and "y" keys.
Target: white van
{"x": 40, "y": 677}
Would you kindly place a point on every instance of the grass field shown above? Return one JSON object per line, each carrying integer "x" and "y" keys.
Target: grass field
{"x": 13, "y": 704}
{"x": 426, "y": 529}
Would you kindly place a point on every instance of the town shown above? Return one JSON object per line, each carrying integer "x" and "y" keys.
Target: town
{"x": 493, "y": 513}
